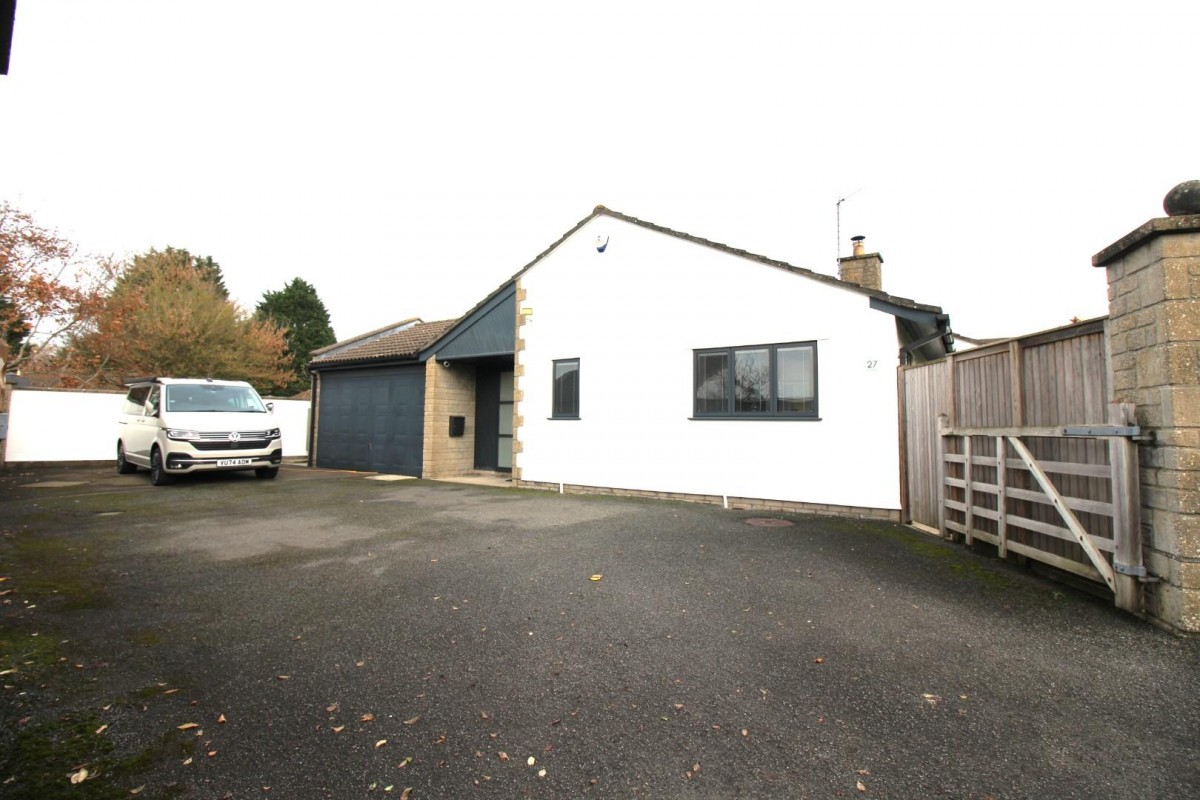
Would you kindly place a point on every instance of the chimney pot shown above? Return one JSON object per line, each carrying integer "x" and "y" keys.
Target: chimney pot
{"x": 859, "y": 248}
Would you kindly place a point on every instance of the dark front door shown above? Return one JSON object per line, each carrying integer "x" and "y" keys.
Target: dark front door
{"x": 372, "y": 420}
{"x": 493, "y": 419}
{"x": 487, "y": 418}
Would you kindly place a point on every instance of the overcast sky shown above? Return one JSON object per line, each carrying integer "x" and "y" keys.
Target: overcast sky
{"x": 407, "y": 158}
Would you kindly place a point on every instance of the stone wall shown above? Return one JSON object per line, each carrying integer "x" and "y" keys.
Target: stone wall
{"x": 518, "y": 389}
{"x": 1154, "y": 330}
{"x": 449, "y": 391}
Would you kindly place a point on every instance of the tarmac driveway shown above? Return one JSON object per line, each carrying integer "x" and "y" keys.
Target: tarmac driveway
{"x": 329, "y": 636}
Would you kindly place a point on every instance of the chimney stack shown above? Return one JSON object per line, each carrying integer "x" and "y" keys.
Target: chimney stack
{"x": 862, "y": 268}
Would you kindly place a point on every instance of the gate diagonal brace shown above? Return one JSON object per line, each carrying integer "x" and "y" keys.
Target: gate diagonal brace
{"x": 1056, "y": 499}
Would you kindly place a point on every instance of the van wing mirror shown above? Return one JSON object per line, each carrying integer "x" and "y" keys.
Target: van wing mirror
{"x": 271, "y": 407}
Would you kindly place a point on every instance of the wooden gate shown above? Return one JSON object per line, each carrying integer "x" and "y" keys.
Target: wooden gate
{"x": 1015, "y": 444}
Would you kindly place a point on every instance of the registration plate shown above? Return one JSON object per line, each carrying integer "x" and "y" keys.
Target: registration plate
{"x": 233, "y": 462}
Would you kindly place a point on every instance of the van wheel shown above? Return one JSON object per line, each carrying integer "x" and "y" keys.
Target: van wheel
{"x": 266, "y": 473}
{"x": 123, "y": 466}
{"x": 158, "y": 473}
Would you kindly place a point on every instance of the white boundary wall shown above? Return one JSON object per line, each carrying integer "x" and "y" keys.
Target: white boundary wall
{"x": 633, "y": 316}
{"x": 56, "y": 425}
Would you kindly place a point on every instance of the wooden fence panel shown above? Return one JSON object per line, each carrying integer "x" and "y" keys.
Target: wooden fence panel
{"x": 926, "y": 395}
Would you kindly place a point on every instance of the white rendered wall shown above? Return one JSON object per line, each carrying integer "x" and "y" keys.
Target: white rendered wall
{"x": 633, "y": 316}
{"x": 82, "y": 426}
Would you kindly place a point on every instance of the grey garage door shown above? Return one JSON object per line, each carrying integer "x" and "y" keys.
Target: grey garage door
{"x": 372, "y": 420}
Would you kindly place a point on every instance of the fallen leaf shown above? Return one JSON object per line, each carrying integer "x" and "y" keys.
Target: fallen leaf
{"x": 367, "y": 718}
{"x": 412, "y": 721}
{"x": 211, "y": 753}
{"x": 493, "y": 735}
{"x": 859, "y": 785}
{"x": 360, "y": 663}
{"x": 818, "y": 661}
{"x": 101, "y": 729}
{"x": 170, "y": 691}
{"x": 679, "y": 706}
{"x": 80, "y": 776}
{"x": 531, "y": 761}
{"x": 503, "y": 755}
{"x": 187, "y": 726}
{"x": 407, "y": 791}
{"x": 484, "y": 715}
{"x": 745, "y": 732}
{"x": 187, "y": 761}
{"x": 221, "y": 719}
{"x": 332, "y": 707}
{"x": 863, "y": 772}
{"x": 407, "y": 760}
{"x": 138, "y": 790}
{"x": 339, "y": 729}
{"x": 389, "y": 787}
{"x": 541, "y": 773}
{"x": 696, "y": 767}
{"x": 380, "y": 743}
{"x": 441, "y": 739}
{"x": 596, "y": 577}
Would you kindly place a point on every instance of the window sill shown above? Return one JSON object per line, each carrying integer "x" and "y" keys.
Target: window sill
{"x": 563, "y": 419}
{"x": 748, "y": 418}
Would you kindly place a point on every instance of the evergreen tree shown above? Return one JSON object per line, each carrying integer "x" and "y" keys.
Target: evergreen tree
{"x": 300, "y": 313}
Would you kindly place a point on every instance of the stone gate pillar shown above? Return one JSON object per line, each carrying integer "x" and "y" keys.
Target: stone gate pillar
{"x": 1154, "y": 340}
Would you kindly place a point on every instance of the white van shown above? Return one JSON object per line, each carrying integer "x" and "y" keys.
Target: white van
{"x": 173, "y": 426}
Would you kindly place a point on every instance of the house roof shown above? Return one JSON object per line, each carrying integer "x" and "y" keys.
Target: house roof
{"x": 412, "y": 338}
{"x": 402, "y": 340}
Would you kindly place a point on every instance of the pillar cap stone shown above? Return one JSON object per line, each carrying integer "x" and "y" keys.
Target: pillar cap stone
{"x": 1154, "y": 228}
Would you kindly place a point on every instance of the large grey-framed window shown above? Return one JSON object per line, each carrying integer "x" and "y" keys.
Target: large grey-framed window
{"x": 756, "y": 381}
{"x": 566, "y": 389}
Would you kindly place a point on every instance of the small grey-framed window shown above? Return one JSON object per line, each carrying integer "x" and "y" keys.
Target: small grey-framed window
{"x": 566, "y": 389}
{"x": 756, "y": 381}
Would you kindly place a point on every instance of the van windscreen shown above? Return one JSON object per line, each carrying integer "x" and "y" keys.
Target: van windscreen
{"x": 212, "y": 397}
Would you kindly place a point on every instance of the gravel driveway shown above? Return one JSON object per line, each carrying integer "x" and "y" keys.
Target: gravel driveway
{"x": 330, "y": 636}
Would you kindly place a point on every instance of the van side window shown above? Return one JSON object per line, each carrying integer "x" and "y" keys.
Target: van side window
{"x": 152, "y": 403}
{"x": 135, "y": 401}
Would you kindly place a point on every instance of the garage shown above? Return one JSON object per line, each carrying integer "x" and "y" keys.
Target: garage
{"x": 372, "y": 420}
{"x": 369, "y": 400}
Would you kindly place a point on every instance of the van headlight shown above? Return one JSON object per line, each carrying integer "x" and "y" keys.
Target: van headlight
{"x": 273, "y": 433}
{"x": 182, "y": 435}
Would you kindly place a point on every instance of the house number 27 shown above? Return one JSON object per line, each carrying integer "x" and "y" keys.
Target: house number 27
{"x": 872, "y": 364}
